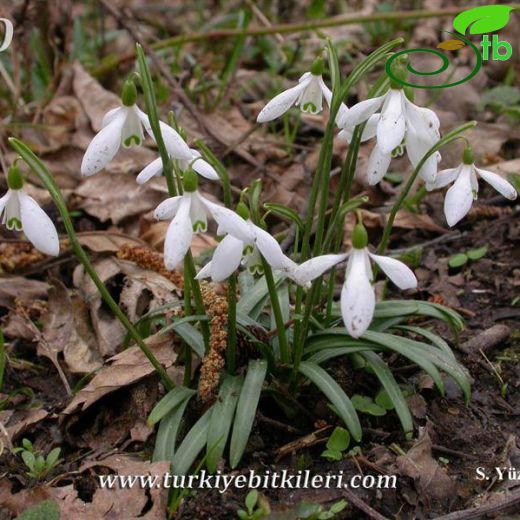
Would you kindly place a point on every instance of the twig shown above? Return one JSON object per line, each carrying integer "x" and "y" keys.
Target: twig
{"x": 478, "y": 512}
{"x": 277, "y": 424}
{"x": 286, "y": 29}
{"x": 362, "y": 505}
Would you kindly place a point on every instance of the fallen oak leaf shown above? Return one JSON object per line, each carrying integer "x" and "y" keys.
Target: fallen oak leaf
{"x": 126, "y": 368}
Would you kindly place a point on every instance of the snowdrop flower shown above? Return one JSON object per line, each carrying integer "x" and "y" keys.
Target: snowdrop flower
{"x": 303, "y": 274}
{"x": 308, "y": 95}
{"x": 199, "y": 165}
{"x": 20, "y": 212}
{"x": 464, "y": 190}
{"x": 399, "y": 119}
{"x": 357, "y": 295}
{"x": 124, "y": 126}
{"x": 189, "y": 213}
{"x": 246, "y": 249}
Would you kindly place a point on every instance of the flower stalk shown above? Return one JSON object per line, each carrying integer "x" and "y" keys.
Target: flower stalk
{"x": 46, "y": 177}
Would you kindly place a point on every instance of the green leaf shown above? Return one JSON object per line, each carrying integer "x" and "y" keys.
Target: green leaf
{"x": 29, "y": 459}
{"x": 339, "y": 439}
{"x": 167, "y": 433}
{"x": 221, "y": 418}
{"x": 330, "y": 353}
{"x": 383, "y": 400}
{"x": 45, "y": 510}
{"x": 284, "y": 212}
{"x": 189, "y": 334}
{"x": 170, "y": 401}
{"x": 251, "y": 500}
{"x": 332, "y": 454}
{"x": 361, "y": 402}
{"x": 393, "y": 392}
{"x": 430, "y": 336}
{"x": 457, "y": 260}
{"x": 246, "y": 409}
{"x": 191, "y": 445}
{"x": 338, "y": 506}
{"x": 335, "y": 394}
{"x": 480, "y": 20}
{"x": 257, "y": 294}
{"x": 52, "y": 457}
{"x": 477, "y": 254}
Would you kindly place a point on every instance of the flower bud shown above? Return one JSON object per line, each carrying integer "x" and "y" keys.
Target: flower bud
{"x": 190, "y": 180}
{"x": 359, "y": 236}
{"x": 467, "y": 156}
{"x": 317, "y": 67}
{"x": 243, "y": 211}
{"x": 14, "y": 178}
{"x": 129, "y": 93}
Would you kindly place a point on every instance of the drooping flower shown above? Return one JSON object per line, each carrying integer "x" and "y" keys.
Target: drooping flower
{"x": 308, "y": 94}
{"x": 199, "y": 165}
{"x": 123, "y": 126}
{"x": 358, "y": 295}
{"x": 189, "y": 213}
{"x": 248, "y": 250}
{"x": 464, "y": 190}
{"x": 399, "y": 120}
{"x": 21, "y": 212}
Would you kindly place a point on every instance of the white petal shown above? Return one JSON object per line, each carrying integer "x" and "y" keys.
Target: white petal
{"x": 154, "y": 169}
{"x": 11, "y": 215}
{"x": 282, "y": 102}
{"x": 459, "y": 197}
{"x": 202, "y": 167}
{"x": 167, "y": 208}
{"x": 378, "y": 164}
{"x": 311, "y": 99}
{"x": 229, "y": 222}
{"x": 311, "y": 269}
{"x": 397, "y": 271}
{"x": 198, "y": 213}
{"x": 205, "y": 272}
{"x": 179, "y": 235}
{"x": 270, "y": 249}
{"x": 3, "y": 201}
{"x": 369, "y": 131}
{"x": 500, "y": 184}
{"x": 424, "y": 120}
{"x": 363, "y": 110}
{"x": 226, "y": 258}
{"x": 444, "y": 177}
{"x": 37, "y": 226}
{"x": 104, "y": 146}
{"x": 392, "y": 125}
{"x": 110, "y": 116}
{"x": 132, "y": 131}
{"x": 357, "y": 295}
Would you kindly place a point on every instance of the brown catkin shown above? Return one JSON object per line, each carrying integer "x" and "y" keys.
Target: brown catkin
{"x": 213, "y": 362}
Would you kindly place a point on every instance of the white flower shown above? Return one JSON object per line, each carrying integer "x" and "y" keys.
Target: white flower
{"x": 308, "y": 94}
{"x": 20, "y": 212}
{"x": 202, "y": 167}
{"x": 124, "y": 126}
{"x": 464, "y": 190}
{"x": 303, "y": 274}
{"x": 358, "y": 298}
{"x": 189, "y": 213}
{"x": 399, "y": 119}
{"x": 247, "y": 250}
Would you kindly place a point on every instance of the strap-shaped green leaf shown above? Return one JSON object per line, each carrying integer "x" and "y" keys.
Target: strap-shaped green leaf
{"x": 246, "y": 409}
{"x": 166, "y": 438}
{"x": 222, "y": 415}
{"x": 191, "y": 445}
{"x": 335, "y": 394}
{"x": 389, "y": 383}
{"x": 170, "y": 401}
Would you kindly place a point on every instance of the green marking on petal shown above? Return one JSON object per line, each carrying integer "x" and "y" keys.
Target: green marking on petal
{"x": 310, "y": 107}
{"x": 200, "y": 226}
{"x": 248, "y": 249}
{"x": 14, "y": 223}
{"x": 256, "y": 269}
{"x": 133, "y": 139}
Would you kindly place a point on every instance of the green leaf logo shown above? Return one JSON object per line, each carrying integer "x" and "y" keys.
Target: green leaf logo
{"x": 480, "y": 20}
